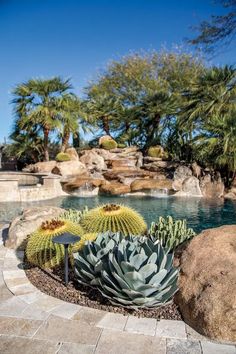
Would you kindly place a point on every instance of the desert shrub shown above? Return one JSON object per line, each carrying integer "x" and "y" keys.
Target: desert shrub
{"x": 62, "y": 156}
{"x": 109, "y": 144}
{"x": 157, "y": 151}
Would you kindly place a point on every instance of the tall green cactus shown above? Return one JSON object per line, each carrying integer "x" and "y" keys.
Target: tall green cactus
{"x": 171, "y": 233}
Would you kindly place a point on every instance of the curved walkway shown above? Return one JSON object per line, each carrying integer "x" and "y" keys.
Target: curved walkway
{"x": 32, "y": 322}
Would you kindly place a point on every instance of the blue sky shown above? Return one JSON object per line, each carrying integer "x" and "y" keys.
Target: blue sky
{"x": 73, "y": 38}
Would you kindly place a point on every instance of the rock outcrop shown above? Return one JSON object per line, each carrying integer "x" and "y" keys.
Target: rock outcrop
{"x": 27, "y": 223}
{"x": 142, "y": 184}
{"x": 93, "y": 161}
{"x": 70, "y": 168}
{"x": 72, "y": 153}
{"x": 212, "y": 187}
{"x": 41, "y": 167}
{"x": 207, "y": 283}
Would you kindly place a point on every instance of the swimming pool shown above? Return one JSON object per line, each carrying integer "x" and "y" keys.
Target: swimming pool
{"x": 200, "y": 213}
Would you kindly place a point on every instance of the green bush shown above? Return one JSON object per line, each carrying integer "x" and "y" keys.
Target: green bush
{"x": 109, "y": 144}
{"x": 131, "y": 271}
{"x": 157, "y": 151}
{"x": 115, "y": 218}
{"x": 171, "y": 233}
{"x": 121, "y": 146}
{"x": 62, "y": 156}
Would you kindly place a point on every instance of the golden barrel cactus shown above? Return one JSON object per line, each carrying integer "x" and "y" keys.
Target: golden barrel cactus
{"x": 40, "y": 249}
{"x": 115, "y": 218}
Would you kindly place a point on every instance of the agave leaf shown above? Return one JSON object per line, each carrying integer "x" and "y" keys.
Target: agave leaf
{"x": 138, "y": 260}
{"x": 148, "y": 270}
{"x": 134, "y": 279}
{"x": 158, "y": 277}
{"x": 121, "y": 281}
{"x": 127, "y": 267}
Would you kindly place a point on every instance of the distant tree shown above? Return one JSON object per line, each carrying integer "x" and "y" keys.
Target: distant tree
{"x": 135, "y": 95}
{"x": 219, "y": 30}
{"x": 37, "y": 106}
{"x": 211, "y": 114}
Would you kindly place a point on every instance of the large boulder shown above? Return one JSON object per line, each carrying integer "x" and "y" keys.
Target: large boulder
{"x": 207, "y": 283}
{"x": 212, "y": 188}
{"x": 123, "y": 163}
{"x": 180, "y": 174}
{"x": 141, "y": 184}
{"x": 190, "y": 187}
{"x": 27, "y": 223}
{"x": 41, "y": 167}
{"x": 78, "y": 182}
{"x": 93, "y": 161}
{"x": 73, "y": 154}
{"x": 70, "y": 168}
{"x": 114, "y": 188}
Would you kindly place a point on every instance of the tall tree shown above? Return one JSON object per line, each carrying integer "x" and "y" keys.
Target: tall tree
{"x": 36, "y": 106}
{"x": 219, "y": 30}
{"x": 141, "y": 89}
{"x": 211, "y": 112}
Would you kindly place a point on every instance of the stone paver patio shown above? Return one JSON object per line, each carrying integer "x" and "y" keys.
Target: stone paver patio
{"x": 32, "y": 322}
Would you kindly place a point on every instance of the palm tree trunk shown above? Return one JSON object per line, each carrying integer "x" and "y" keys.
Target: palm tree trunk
{"x": 105, "y": 123}
{"x": 65, "y": 140}
{"x": 45, "y": 143}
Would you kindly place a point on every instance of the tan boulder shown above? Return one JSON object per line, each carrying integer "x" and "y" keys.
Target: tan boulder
{"x": 140, "y": 184}
{"x": 27, "y": 223}
{"x": 73, "y": 154}
{"x": 212, "y": 188}
{"x": 207, "y": 283}
{"x": 130, "y": 173}
{"x": 70, "y": 168}
{"x": 41, "y": 167}
{"x": 93, "y": 161}
{"x": 123, "y": 163}
{"x": 196, "y": 169}
{"x": 190, "y": 187}
{"x": 114, "y": 188}
{"x": 78, "y": 182}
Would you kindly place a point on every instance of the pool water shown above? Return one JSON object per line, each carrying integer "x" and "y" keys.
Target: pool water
{"x": 200, "y": 213}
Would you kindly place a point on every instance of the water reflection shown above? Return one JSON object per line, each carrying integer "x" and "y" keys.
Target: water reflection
{"x": 201, "y": 213}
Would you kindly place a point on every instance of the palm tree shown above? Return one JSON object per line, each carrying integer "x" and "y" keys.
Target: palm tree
{"x": 211, "y": 113}
{"x": 69, "y": 111}
{"x": 36, "y": 106}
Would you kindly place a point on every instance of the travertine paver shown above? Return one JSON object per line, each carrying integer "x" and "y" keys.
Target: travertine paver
{"x": 171, "y": 329}
{"x": 65, "y": 310}
{"x": 35, "y": 323}
{"x": 58, "y": 329}
{"x": 113, "y": 321}
{"x": 72, "y": 348}
{"x": 21, "y": 345}
{"x": 215, "y": 348}
{"x": 117, "y": 342}
{"x": 145, "y": 326}
{"x": 12, "y": 307}
{"x": 89, "y": 315}
{"x": 19, "y": 326}
{"x": 179, "y": 346}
